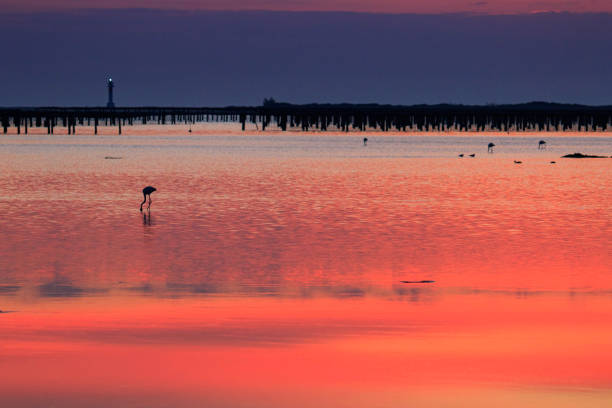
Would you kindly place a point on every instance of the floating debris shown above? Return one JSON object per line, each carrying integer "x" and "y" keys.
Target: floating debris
{"x": 518, "y": 162}
{"x": 583, "y": 156}
{"x": 422, "y": 281}
{"x": 112, "y": 158}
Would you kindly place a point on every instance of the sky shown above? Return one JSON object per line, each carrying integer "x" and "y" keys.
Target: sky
{"x": 63, "y": 57}
{"x": 377, "y": 6}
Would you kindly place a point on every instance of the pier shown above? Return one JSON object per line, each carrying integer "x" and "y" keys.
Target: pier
{"x": 342, "y": 117}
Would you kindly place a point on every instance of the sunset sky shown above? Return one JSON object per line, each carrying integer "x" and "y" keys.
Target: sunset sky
{"x": 424, "y": 257}
{"x": 192, "y": 53}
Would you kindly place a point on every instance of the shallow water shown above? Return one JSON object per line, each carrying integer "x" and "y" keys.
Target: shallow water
{"x": 268, "y": 271}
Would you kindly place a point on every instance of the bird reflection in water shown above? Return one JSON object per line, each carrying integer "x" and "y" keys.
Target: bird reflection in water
{"x": 146, "y": 217}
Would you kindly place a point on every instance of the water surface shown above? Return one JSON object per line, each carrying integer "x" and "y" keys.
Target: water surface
{"x": 268, "y": 271}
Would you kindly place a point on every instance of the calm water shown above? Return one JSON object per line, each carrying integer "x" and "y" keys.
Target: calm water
{"x": 268, "y": 273}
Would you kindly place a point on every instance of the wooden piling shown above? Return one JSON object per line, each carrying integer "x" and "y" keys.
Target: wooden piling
{"x": 328, "y": 117}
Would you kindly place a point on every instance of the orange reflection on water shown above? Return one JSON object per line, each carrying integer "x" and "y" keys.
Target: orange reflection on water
{"x": 260, "y": 345}
{"x": 269, "y": 272}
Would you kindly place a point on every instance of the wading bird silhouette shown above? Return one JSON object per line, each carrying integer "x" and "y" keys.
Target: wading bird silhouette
{"x": 365, "y": 141}
{"x": 542, "y": 144}
{"x": 147, "y": 192}
{"x": 490, "y": 147}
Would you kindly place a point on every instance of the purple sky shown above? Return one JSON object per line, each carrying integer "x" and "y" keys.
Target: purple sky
{"x": 208, "y": 58}
{"x": 384, "y": 6}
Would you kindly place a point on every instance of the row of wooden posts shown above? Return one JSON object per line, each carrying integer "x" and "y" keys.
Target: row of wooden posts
{"x": 320, "y": 119}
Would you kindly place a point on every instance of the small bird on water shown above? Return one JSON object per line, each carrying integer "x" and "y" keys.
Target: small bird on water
{"x": 147, "y": 192}
{"x": 518, "y": 162}
{"x": 473, "y": 155}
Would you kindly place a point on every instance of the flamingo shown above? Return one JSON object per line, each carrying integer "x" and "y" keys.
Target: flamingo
{"x": 490, "y": 147}
{"x": 147, "y": 192}
{"x": 542, "y": 144}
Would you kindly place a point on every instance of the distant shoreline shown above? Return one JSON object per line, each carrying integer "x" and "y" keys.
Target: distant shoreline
{"x": 271, "y": 103}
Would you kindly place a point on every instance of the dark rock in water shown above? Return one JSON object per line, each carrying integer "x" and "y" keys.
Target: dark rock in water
{"x": 113, "y": 158}
{"x": 583, "y": 156}
{"x": 422, "y": 281}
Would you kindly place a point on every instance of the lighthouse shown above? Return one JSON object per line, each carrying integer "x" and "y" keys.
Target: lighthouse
{"x": 110, "y": 103}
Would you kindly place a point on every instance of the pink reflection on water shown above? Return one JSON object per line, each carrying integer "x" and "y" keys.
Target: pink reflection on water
{"x": 269, "y": 265}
